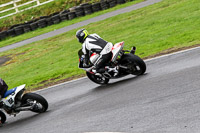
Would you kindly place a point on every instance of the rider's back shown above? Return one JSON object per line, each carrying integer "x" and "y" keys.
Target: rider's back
{"x": 3, "y": 87}
{"x": 94, "y": 42}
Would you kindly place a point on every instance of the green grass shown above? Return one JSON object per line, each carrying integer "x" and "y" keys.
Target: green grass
{"x": 37, "y": 32}
{"x": 165, "y": 25}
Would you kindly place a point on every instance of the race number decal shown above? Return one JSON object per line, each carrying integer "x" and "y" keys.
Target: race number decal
{"x": 10, "y": 101}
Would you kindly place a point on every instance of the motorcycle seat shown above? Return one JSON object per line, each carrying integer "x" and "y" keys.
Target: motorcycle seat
{"x": 9, "y": 92}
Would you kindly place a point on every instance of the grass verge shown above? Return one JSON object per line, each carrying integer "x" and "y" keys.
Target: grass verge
{"x": 38, "y": 32}
{"x": 170, "y": 24}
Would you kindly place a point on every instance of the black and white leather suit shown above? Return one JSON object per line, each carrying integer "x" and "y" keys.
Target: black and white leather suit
{"x": 94, "y": 43}
{"x": 3, "y": 88}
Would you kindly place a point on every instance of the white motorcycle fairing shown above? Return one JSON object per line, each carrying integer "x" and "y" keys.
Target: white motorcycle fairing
{"x": 116, "y": 49}
{"x": 94, "y": 57}
{"x": 9, "y": 96}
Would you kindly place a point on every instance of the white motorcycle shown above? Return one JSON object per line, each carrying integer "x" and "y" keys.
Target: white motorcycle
{"x": 126, "y": 61}
{"x": 15, "y": 100}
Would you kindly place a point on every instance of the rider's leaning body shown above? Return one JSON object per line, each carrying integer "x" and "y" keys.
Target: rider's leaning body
{"x": 94, "y": 43}
{"x": 3, "y": 88}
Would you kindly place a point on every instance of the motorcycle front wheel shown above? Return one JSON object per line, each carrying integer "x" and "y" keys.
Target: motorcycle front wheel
{"x": 2, "y": 117}
{"x": 97, "y": 79}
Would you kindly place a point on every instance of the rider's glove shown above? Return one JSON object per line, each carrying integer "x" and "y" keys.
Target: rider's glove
{"x": 84, "y": 61}
{"x": 82, "y": 58}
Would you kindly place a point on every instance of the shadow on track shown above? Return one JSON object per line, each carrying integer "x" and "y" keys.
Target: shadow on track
{"x": 117, "y": 83}
{"x": 24, "y": 120}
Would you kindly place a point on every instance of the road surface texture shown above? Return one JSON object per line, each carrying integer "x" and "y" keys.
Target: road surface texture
{"x": 80, "y": 24}
{"x": 165, "y": 99}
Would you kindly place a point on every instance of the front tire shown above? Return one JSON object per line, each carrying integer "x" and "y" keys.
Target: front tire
{"x": 97, "y": 79}
{"x": 2, "y": 117}
{"x": 135, "y": 64}
{"x": 41, "y": 103}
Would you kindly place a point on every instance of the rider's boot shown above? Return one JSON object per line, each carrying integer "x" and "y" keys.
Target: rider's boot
{"x": 98, "y": 71}
{"x": 116, "y": 71}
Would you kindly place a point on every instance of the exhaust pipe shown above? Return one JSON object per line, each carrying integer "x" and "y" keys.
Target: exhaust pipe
{"x": 133, "y": 49}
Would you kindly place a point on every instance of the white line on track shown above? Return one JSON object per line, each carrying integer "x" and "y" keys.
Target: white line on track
{"x": 103, "y": 132}
{"x": 178, "y": 52}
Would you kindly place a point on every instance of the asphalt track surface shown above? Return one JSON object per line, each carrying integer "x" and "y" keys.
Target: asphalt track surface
{"x": 165, "y": 99}
{"x": 80, "y": 24}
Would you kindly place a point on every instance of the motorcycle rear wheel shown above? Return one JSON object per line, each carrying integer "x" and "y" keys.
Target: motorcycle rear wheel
{"x": 135, "y": 64}
{"x": 41, "y": 102}
{"x": 2, "y": 117}
{"x": 97, "y": 79}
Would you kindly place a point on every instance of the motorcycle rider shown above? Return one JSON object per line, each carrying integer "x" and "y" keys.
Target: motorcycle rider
{"x": 3, "y": 89}
{"x": 94, "y": 43}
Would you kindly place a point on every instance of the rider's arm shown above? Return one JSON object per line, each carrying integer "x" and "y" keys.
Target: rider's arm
{"x": 86, "y": 55}
{"x": 3, "y": 87}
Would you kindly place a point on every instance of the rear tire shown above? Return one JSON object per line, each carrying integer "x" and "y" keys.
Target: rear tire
{"x": 2, "y": 117}
{"x": 97, "y": 79}
{"x": 41, "y": 102}
{"x": 135, "y": 64}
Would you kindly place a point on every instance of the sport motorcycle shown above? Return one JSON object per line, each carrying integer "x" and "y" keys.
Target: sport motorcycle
{"x": 125, "y": 61}
{"x": 14, "y": 101}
